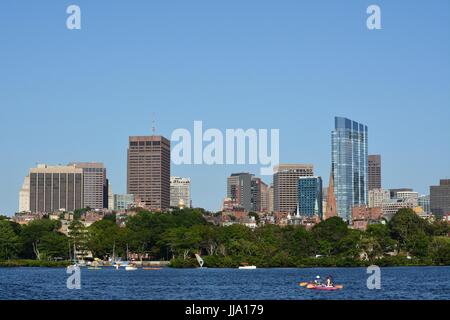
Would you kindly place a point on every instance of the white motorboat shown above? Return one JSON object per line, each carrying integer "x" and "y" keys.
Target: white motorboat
{"x": 247, "y": 268}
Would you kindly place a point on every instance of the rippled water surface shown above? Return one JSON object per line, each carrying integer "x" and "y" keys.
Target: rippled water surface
{"x": 429, "y": 283}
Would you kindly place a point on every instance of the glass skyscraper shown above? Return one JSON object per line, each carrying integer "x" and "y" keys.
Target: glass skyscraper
{"x": 310, "y": 196}
{"x": 349, "y": 165}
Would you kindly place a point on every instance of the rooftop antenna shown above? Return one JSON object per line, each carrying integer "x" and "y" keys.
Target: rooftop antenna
{"x": 153, "y": 125}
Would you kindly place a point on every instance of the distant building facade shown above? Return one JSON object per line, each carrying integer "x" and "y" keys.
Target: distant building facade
{"x": 310, "y": 196}
{"x": 424, "y": 203}
{"x": 264, "y": 197}
{"x": 410, "y": 196}
{"x": 180, "y": 192}
{"x": 270, "y": 194}
{"x": 362, "y": 216}
{"x": 123, "y": 202}
{"x": 239, "y": 189}
{"x": 391, "y": 207}
{"x": 148, "y": 175}
{"x": 95, "y": 184}
{"x": 285, "y": 184}
{"x": 54, "y": 188}
{"x": 24, "y": 196}
{"x": 377, "y": 197}
{"x": 393, "y": 192}
{"x": 374, "y": 171}
{"x": 440, "y": 198}
{"x": 349, "y": 165}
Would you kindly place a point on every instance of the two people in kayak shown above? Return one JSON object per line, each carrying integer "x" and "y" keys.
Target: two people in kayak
{"x": 328, "y": 282}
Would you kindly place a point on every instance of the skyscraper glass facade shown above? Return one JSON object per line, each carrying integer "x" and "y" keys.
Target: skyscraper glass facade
{"x": 349, "y": 165}
{"x": 310, "y": 196}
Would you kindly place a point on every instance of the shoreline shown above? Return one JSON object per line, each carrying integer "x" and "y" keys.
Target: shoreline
{"x": 64, "y": 264}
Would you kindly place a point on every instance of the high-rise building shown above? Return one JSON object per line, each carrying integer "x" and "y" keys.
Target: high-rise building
{"x": 377, "y": 197}
{"x": 110, "y": 197}
{"x": 239, "y": 190}
{"x": 264, "y": 197}
{"x": 310, "y": 196}
{"x": 180, "y": 192}
{"x": 256, "y": 194}
{"x": 349, "y": 165}
{"x": 24, "y": 196}
{"x": 149, "y": 171}
{"x": 270, "y": 194}
{"x": 95, "y": 184}
{"x": 54, "y": 188}
{"x": 440, "y": 198}
{"x": 374, "y": 171}
{"x": 285, "y": 183}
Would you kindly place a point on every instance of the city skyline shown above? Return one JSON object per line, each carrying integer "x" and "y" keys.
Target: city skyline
{"x": 297, "y": 65}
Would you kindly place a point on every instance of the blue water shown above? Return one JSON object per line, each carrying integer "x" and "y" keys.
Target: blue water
{"x": 429, "y": 283}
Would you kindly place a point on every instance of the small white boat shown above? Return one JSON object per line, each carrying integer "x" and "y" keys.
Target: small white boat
{"x": 131, "y": 267}
{"x": 247, "y": 268}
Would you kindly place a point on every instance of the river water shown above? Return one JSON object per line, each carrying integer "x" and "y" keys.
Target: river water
{"x": 422, "y": 283}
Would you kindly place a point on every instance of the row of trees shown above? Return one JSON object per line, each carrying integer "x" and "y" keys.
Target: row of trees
{"x": 179, "y": 235}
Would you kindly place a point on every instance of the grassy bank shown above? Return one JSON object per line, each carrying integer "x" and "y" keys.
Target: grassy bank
{"x": 33, "y": 263}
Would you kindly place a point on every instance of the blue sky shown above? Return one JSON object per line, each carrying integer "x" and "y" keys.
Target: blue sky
{"x": 293, "y": 65}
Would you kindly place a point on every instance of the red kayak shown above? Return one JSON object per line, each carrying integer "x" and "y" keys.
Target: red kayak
{"x": 324, "y": 288}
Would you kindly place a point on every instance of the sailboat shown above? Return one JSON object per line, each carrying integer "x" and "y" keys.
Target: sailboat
{"x": 130, "y": 266}
{"x": 201, "y": 262}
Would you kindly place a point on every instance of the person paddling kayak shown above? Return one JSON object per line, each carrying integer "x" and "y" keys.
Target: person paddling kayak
{"x": 329, "y": 282}
{"x": 318, "y": 281}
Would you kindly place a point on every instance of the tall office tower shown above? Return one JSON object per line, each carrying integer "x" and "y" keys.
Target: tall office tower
{"x": 149, "y": 171}
{"x": 54, "y": 188}
{"x": 270, "y": 194}
{"x": 377, "y": 197}
{"x": 259, "y": 195}
{"x": 110, "y": 197}
{"x": 264, "y": 197}
{"x": 239, "y": 190}
{"x": 285, "y": 183}
{"x": 180, "y": 192}
{"x": 440, "y": 198}
{"x": 24, "y": 196}
{"x": 374, "y": 171}
{"x": 95, "y": 184}
{"x": 310, "y": 196}
{"x": 349, "y": 165}
{"x": 331, "y": 209}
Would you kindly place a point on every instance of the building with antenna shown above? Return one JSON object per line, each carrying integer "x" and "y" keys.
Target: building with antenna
{"x": 148, "y": 174}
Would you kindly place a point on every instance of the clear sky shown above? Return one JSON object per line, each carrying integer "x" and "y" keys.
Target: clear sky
{"x": 77, "y": 95}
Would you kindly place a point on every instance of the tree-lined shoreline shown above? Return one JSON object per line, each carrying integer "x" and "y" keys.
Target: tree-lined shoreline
{"x": 406, "y": 240}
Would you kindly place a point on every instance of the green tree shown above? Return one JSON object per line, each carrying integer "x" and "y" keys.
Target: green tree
{"x": 78, "y": 237}
{"x": 9, "y": 241}
{"x": 33, "y": 233}
{"x": 409, "y": 230}
{"x": 103, "y": 236}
